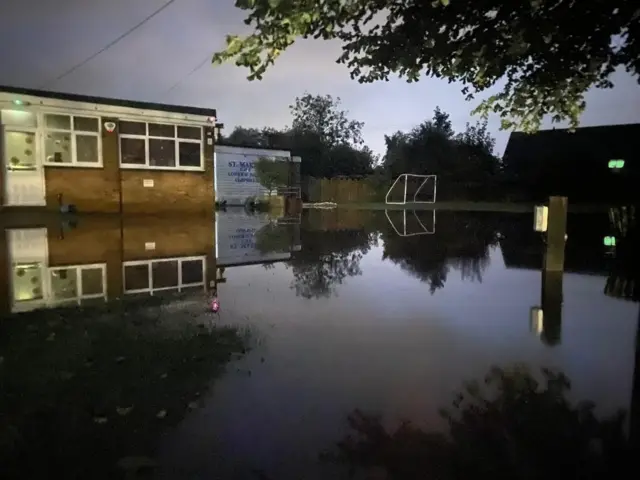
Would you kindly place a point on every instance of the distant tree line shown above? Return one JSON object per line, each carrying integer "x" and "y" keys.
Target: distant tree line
{"x": 330, "y": 145}
{"x": 543, "y": 55}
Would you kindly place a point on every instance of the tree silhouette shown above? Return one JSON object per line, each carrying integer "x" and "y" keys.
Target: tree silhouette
{"x": 515, "y": 427}
{"x": 327, "y": 260}
{"x": 548, "y": 53}
{"x": 461, "y": 242}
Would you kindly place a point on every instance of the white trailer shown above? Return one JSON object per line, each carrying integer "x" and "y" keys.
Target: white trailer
{"x": 235, "y": 179}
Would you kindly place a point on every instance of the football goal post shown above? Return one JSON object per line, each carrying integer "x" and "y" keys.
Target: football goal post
{"x": 408, "y": 182}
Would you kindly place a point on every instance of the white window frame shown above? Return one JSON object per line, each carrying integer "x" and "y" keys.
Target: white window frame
{"x": 177, "y": 141}
{"x": 80, "y": 296}
{"x": 4, "y": 129}
{"x": 43, "y": 129}
{"x": 149, "y": 263}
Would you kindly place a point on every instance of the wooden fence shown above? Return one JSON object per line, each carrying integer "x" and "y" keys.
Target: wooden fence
{"x": 374, "y": 188}
{"x": 342, "y": 190}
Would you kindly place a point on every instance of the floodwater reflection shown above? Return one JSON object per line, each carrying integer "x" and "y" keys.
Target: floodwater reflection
{"x": 398, "y": 335}
{"x": 353, "y": 312}
{"x": 512, "y": 424}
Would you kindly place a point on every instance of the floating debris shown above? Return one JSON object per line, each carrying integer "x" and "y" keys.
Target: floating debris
{"x": 161, "y": 414}
{"x": 100, "y": 420}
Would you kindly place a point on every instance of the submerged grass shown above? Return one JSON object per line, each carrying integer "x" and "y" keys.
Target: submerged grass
{"x": 82, "y": 389}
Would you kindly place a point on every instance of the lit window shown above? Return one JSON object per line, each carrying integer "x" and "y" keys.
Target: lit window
{"x": 72, "y": 140}
{"x": 74, "y": 284}
{"x": 160, "y": 146}
{"x": 616, "y": 164}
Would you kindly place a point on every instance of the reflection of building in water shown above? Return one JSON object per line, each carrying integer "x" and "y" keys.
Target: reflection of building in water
{"x": 523, "y": 248}
{"x": 624, "y": 246}
{"x": 103, "y": 259}
{"x": 243, "y": 239}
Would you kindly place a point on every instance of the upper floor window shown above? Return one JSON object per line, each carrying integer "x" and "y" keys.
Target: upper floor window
{"x": 72, "y": 140}
{"x": 156, "y": 145}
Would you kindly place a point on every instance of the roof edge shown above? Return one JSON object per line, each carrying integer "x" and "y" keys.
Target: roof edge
{"x": 107, "y": 101}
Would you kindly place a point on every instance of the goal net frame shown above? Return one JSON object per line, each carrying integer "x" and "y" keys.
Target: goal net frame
{"x": 425, "y": 230}
{"x": 406, "y": 176}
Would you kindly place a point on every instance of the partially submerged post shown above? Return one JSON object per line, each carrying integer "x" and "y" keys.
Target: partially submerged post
{"x": 556, "y": 234}
{"x": 551, "y": 219}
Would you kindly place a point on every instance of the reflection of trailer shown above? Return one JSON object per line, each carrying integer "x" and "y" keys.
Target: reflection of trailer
{"x": 235, "y": 179}
{"x": 237, "y": 238}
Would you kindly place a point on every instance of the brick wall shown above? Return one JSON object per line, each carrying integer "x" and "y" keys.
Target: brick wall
{"x": 90, "y": 242}
{"x": 89, "y": 189}
{"x": 171, "y": 191}
{"x": 172, "y": 237}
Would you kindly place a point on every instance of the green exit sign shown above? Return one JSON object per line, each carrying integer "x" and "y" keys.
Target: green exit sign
{"x": 610, "y": 241}
{"x": 616, "y": 164}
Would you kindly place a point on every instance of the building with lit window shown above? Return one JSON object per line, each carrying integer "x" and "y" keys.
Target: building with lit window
{"x": 105, "y": 155}
{"x": 590, "y": 165}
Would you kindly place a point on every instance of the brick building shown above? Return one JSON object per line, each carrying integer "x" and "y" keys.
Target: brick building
{"x": 105, "y": 155}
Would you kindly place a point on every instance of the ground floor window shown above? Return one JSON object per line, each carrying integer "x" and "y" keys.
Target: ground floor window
{"x": 164, "y": 274}
{"x": 72, "y": 140}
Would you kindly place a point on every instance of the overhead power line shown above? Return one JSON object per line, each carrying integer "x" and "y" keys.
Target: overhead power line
{"x": 109, "y": 45}
{"x": 182, "y": 79}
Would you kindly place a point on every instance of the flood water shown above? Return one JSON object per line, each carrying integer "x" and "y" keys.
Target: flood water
{"x": 388, "y": 313}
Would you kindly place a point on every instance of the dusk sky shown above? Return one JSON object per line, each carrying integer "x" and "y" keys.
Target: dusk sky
{"x": 40, "y": 40}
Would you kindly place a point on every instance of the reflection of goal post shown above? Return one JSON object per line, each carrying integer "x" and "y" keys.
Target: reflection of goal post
{"x": 404, "y": 233}
{"x": 404, "y": 178}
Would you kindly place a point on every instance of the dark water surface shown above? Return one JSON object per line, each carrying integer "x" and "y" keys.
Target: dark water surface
{"x": 389, "y": 314}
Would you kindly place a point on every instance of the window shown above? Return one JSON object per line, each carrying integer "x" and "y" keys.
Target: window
{"x": 164, "y": 274}
{"x": 78, "y": 283}
{"x": 72, "y": 140}
{"x": 161, "y": 146}
{"x": 616, "y": 164}
{"x": 20, "y": 140}
{"x": 20, "y": 150}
